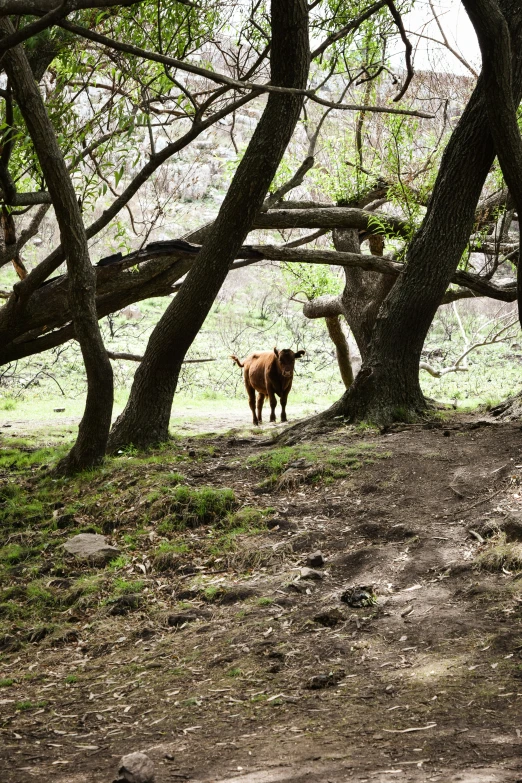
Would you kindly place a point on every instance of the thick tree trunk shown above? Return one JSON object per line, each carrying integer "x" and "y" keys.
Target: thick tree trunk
{"x": 89, "y": 448}
{"x": 387, "y": 387}
{"x": 146, "y": 417}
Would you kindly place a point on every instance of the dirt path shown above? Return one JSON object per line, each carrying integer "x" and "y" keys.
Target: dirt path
{"x": 213, "y": 417}
{"x": 425, "y": 685}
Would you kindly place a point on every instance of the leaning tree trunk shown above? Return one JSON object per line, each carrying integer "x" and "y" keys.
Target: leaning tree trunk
{"x": 89, "y": 448}
{"x": 146, "y": 417}
{"x": 387, "y": 387}
{"x": 497, "y": 45}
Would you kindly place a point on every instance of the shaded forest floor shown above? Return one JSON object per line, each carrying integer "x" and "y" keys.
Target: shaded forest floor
{"x": 203, "y": 642}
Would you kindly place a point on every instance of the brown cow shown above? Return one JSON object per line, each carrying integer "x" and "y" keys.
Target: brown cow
{"x": 269, "y": 373}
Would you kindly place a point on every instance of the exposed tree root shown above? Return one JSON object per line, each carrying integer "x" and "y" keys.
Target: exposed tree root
{"x": 510, "y": 409}
{"x": 363, "y": 402}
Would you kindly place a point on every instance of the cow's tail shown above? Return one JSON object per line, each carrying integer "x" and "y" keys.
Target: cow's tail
{"x": 237, "y": 361}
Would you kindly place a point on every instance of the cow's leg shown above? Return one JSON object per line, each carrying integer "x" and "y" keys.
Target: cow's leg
{"x": 284, "y": 397}
{"x": 273, "y": 403}
{"x": 260, "y": 402}
{"x": 252, "y": 401}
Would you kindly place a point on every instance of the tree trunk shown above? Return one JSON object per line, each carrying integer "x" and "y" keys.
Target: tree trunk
{"x": 363, "y": 293}
{"x": 387, "y": 387}
{"x": 342, "y": 349}
{"x": 89, "y": 448}
{"x": 146, "y": 417}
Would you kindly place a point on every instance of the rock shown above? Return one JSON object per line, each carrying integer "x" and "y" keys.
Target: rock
{"x": 511, "y": 525}
{"x": 329, "y": 680}
{"x": 281, "y": 524}
{"x": 310, "y": 573}
{"x": 330, "y": 618}
{"x": 177, "y": 620}
{"x": 229, "y": 595}
{"x": 91, "y": 546}
{"x": 136, "y": 768}
{"x": 125, "y": 604}
{"x": 294, "y": 587}
{"x": 359, "y": 596}
{"x": 315, "y": 560}
{"x": 131, "y": 312}
{"x": 470, "y": 480}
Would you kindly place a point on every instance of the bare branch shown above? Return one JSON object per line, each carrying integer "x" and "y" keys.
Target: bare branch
{"x": 22, "y": 7}
{"x": 133, "y": 357}
{"x": 408, "y": 48}
{"x": 24, "y": 33}
{"x": 350, "y": 27}
{"x": 220, "y": 78}
{"x": 292, "y": 183}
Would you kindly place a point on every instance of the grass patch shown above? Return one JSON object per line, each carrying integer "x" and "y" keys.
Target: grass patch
{"x": 186, "y": 507}
{"x": 125, "y": 587}
{"x": 23, "y": 706}
{"x": 318, "y": 461}
{"x": 501, "y": 553}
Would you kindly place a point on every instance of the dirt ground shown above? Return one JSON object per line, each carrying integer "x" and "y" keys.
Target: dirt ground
{"x": 276, "y": 678}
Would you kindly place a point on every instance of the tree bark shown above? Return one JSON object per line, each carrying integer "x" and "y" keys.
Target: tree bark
{"x": 89, "y": 448}
{"x": 146, "y": 417}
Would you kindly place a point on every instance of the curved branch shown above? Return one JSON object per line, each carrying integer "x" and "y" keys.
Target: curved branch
{"x": 327, "y": 306}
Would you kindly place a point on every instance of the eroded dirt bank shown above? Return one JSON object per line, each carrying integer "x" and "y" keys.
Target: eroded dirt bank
{"x": 231, "y": 666}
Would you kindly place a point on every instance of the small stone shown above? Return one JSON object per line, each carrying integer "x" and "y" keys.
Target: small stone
{"x": 315, "y": 560}
{"x": 294, "y": 587}
{"x": 319, "y": 681}
{"x": 359, "y": 596}
{"x": 310, "y": 573}
{"x": 91, "y": 546}
{"x": 330, "y": 618}
{"x": 136, "y": 768}
{"x": 177, "y": 620}
{"x": 125, "y": 604}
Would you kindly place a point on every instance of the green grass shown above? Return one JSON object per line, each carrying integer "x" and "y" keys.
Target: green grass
{"x": 185, "y": 507}
{"x": 317, "y": 460}
{"x": 125, "y": 586}
{"x": 23, "y": 706}
{"x": 6, "y": 682}
{"x": 501, "y": 554}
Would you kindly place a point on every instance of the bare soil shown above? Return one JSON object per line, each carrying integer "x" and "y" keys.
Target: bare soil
{"x": 425, "y": 685}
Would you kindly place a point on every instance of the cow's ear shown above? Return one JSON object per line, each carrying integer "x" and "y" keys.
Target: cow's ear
{"x": 276, "y": 352}
{"x": 298, "y": 354}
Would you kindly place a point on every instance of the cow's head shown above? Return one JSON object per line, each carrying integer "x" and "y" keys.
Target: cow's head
{"x": 286, "y": 360}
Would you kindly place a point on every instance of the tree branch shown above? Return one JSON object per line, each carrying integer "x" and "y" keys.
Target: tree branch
{"x": 221, "y": 78}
